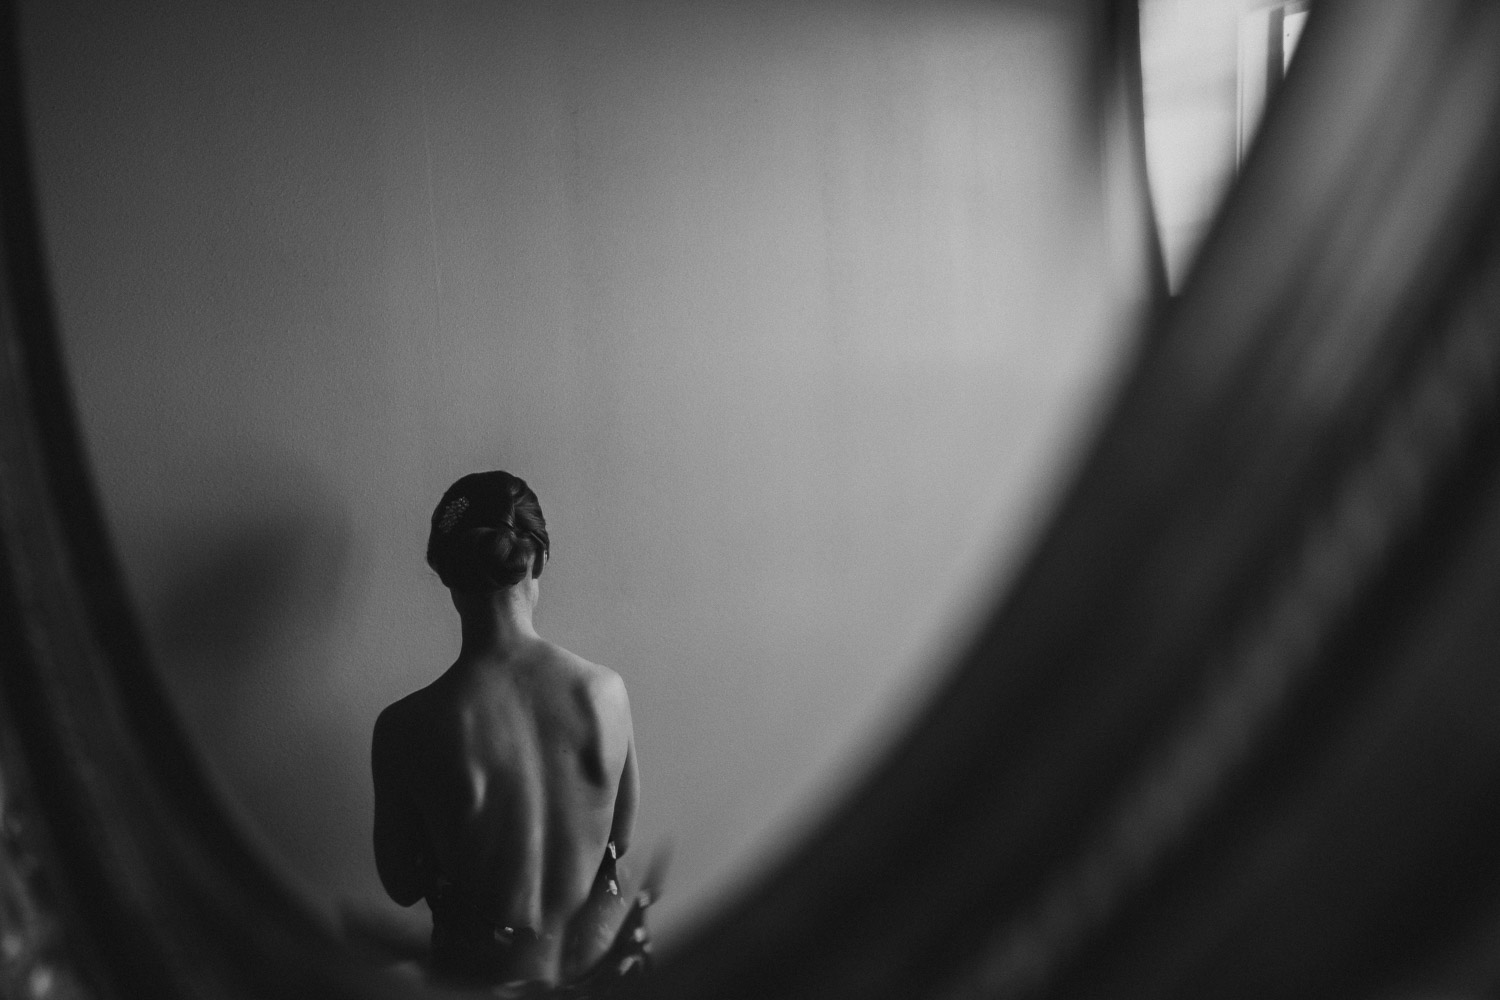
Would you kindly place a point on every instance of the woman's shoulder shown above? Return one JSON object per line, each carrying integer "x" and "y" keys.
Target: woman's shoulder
{"x": 574, "y": 666}
{"x": 406, "y": 716}
{"x": 598, "y": 685}
{"x": 395, "y": 728}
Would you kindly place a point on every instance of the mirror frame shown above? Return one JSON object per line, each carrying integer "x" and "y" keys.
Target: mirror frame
{"x": 1314, "y": 408}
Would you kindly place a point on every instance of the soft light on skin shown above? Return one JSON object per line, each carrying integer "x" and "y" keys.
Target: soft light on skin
{"x": 498, "y": 616}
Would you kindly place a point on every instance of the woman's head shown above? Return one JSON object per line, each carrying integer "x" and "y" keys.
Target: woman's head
{"x": 487, "y": 533}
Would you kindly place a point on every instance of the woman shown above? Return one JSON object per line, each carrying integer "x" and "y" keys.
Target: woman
{"x": 505, "y": 788}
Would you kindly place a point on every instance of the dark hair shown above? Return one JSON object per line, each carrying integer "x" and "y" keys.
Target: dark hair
{"x": 487, "y": 533}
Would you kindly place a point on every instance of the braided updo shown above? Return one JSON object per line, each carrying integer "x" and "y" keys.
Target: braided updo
{"x": 487, "y": 533}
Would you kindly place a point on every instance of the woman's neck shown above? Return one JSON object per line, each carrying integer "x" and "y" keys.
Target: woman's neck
{"x": 498, "y": 621}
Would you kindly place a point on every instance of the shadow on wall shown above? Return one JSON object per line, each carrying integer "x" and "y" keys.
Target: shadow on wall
{"x": 216, "y": 614}
{"x": 240, "y": 599}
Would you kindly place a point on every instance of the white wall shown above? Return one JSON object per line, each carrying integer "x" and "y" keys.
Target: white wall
{"x": 785, "y": 311}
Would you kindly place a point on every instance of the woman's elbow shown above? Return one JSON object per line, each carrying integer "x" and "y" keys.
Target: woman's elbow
{"x": 405, "y": 893}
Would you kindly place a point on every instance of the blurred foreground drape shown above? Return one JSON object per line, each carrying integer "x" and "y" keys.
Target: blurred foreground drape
{"x": 1236, "y": 729}
{"x": 1232, "y": 732}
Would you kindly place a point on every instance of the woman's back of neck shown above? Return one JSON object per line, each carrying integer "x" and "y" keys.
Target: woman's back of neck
{"x": 496, "y": 624}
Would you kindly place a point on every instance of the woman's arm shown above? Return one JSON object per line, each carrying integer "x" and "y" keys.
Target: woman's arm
{"x": 616, "y": 705}
{"x": 627, "y": 798}
{"x": 400, "y": 841}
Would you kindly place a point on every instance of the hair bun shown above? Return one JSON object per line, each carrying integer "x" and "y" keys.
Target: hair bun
{"x": 487, "y": 533}
{"x": 509, "y": 556}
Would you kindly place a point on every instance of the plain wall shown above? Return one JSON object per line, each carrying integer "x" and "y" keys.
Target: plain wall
{"x": 791, "y": 313}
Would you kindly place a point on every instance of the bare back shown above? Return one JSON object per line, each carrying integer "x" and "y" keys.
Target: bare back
{"x": 506, "y": 778}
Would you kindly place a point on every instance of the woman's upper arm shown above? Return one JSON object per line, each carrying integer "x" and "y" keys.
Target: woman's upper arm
{"x": 627, "y": 798}
{"x": 400, "y": 840}
{"x": 627, "y": 795}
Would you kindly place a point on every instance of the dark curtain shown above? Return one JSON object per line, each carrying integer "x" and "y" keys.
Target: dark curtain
{"x": 1232, "y": 732}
